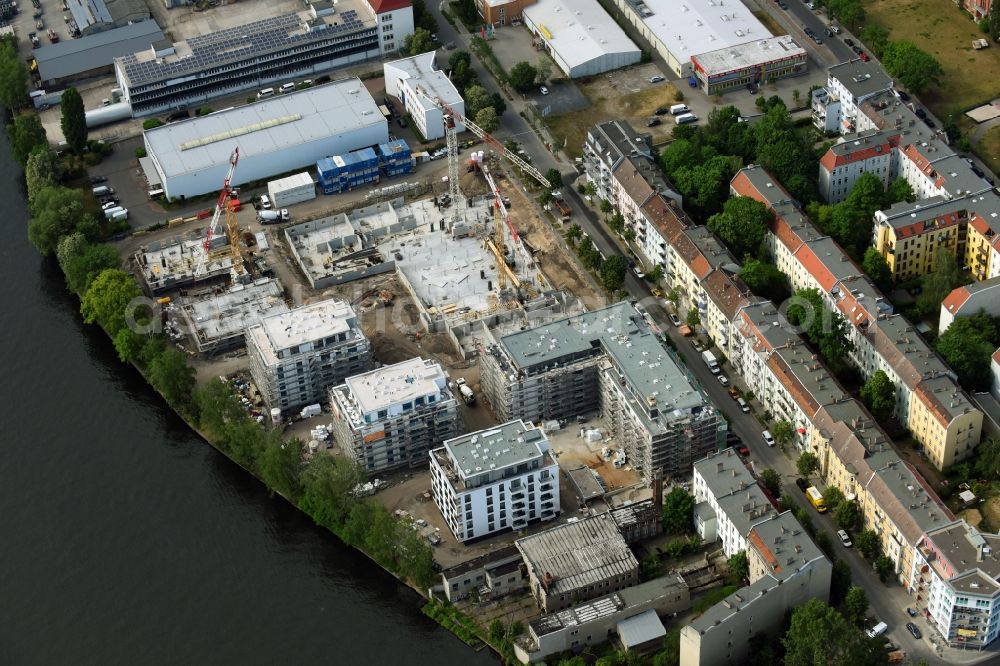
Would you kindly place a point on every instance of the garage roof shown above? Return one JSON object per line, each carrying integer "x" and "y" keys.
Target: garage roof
{"x": 579, "y": 30}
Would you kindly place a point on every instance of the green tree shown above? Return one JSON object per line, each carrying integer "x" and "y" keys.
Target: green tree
{"x": 678, "y": 511}
{"x": 589, "y": 256}
{"x": 670, "y": 655}
{"x": 987, "y": 461}
{"x": 693, "y": 319}
{"x": 899, "y": 190}
{"x": 820, "y": 636}
{"x": 554, "y": 177}
{"x": 848, "y": 515}
{"x": 522, "y": 76}
{"x": 945, "y": 275}
{"x": 994, "y": 17}
{"x": 41, "y": 171}
{"x": 499, "y": 104}
{"x": 879, "y": 395}
{"x": 462, "y": 74}
{"x": 466, "y": 10}
{"x": 876, "y": 37}
{"x": 81, "y": 261}
{"x": 850, "y": 12}
{"x": 877, "y": 268}
{"x": 476, "y": 98}
{"x": 783, "y": 432}
{"x": 807, "y": 464}
{"x": 739, "y": 568}
{"x": 26, "y": 133}
{"x": 742, "y": 225}
{"x": 171, "y": 375}
{"x": 326, "y": 486}
{"x": 280, "y": 464}
{"x": 543, "y": 70}
{"x": 128, "y": 345}
{"x": 73, "y": 121}
{"x": 764, "y": 279}
{"x": 856, "y": 605}
{"x": 423, "y": 18}
{"x": 772, "y": 481}
{"x": 216, "y": 405}
{"x": 674, "y": 297}
{"x": 883, "y": 567}
{"x": 613, "y": 272}
{"x": 573, "y": 234}
{"x": 56, "y": 212}
{"x": 914, "y": 67}
{"x": 420, "y": 41}
{"x": 487, "y": 119}
{"x": 13, "y": 77}
{"x": 840, "y": 582}
{"x": 107, "y": 298}
{"x": 833, "y": 497}
{"x": 868, "y": 544}
{"x": 967, "y": 346}
{"x": 606, "y": 206}
{"x": 825, "y": 330}
{"x": 650, "y": 567}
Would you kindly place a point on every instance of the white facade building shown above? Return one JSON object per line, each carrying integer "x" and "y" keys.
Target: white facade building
{"x": 296, "y": 356}
{"x": 404, "y": 77}
{"x": 724, "y": 483}
{"x": 837, "y": 107}
{"x": 580, "y": 36}
{"x": 391, "y": 417}
{"x": 277, "y": 135}
{"x": 956, "y": 572}
{"x": 395, "y": 22}
{"x": 495, "y": 480}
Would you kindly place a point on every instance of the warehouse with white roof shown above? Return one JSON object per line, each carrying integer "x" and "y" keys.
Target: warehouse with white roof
{"x": 680, "y": 29}
{"x": 580, "y": 36}
{"x": 276, "y": 136}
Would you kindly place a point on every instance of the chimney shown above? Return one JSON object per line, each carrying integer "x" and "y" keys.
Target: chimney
{"x": 658, "y": 489}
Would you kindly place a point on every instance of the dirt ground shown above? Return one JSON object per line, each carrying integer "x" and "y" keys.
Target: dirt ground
{"x": 613, "y": 98}
{"x": 572, "y": 449}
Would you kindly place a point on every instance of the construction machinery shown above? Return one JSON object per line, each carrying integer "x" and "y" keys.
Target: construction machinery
{"x": 225, "y": 203}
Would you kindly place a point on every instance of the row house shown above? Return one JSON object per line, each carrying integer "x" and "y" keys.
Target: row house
{"x": 967, "y": 300}
{"x": 928, "y": 399}
{"x": 845, "y": 162}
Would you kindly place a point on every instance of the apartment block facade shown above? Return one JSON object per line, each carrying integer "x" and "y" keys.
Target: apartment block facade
{"x": 295, "y": 357}
{"x": 724, "y": 484}
{"x": 495, "y": 480}
{"x": 391, "y": 417}
{"x": 608, "y": 361}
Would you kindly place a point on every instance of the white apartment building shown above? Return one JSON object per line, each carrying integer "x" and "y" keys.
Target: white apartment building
{"x": 391, "y": 417}
{"x": 495, "y": 480}
{"x": 836, "y": 107}
{"x": 956, "y": 574}
{"x": 395, "y": 23}
{"x": 416, "y": 82}
{"x": 297, "y": 355}
{"x": 727, "y": 487}
{"x": 866, "y": 152}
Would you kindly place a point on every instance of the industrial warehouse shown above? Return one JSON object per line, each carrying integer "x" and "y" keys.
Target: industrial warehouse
{"x": 275, "y": 136}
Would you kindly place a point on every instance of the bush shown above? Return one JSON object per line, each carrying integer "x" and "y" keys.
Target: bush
{"x": 679, "y": 96}
{"x": 92, "y": 159}
{"x": 140, "y": 152}
{"x": 204, "y": 111}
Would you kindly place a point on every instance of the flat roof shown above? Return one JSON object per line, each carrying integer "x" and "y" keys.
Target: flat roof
{"x": 579, "y": 30}
{"x": 640, "y": 629}
{"x": 860, "y": 78}
{"x": 250, "y": 41}
{"x": 750, "y": 54}
{"x": 216, "y": 317}
{"x": 735, "y": 489}
{"x": 506, "y": 445}
{"x": 689, "y": 28}
{"x": 974, "y": 558}
{"x": 421, "y": 70}
{"x": 396, "y": 384}
{"x": 585, "y": 481}
{"x": 278, "y": 123}
{"x": 578, "y": 554}
{"x": 74, "y": 56}
{"x": 783, "y": 545}
{"x": 308, "y": 323}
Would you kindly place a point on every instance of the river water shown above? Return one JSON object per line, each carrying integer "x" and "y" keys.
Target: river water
{"x": 128, "y": 540}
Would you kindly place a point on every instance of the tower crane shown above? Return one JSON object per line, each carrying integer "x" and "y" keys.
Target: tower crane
{"x": 232, "y": 228}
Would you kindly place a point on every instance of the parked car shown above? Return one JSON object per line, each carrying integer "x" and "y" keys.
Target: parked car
{"x": 743, "y": 451}
{"x": 817, "y": 39}
{"x": 857, "y": 49}
{"x": 903, "y": 97}
{"x": 912, "y": 612}
{"x": 674, "y": 319}
{"x": 752, "y": 87}
{"x": 698, "y": 347}
{"x": 638, "y": 272}
{"x": 402, "y": 121}
{"x": 877, "y": 630}
{"x": 844, "y": 539}
{"x": 930, "y": 122}
{"x": 265, "y": 202}
{"x": 767, "y": 437}
{"x": 543, "y": 90}
{"x": 734, "y": 393}
{"x": 920, "y": 112}
{"x": 849, "y": 41}
{"x": 744, "y": 407}
{"x": 802, "y": 484}
{"x": 323, "y": 79}
{"x": 653, "y": 122}
{"x": 178, "y": 115}
{"x": 723, "y": 380}
{"x": 783, "y": 5}
{"x": 864, "y": 57}
{"x": 655, "y": 79}
{"x": 914, "y": 631}
{"x": 286, "y": 88}
{"x": 662, "y": 111}
{"x": 97, "y": 180}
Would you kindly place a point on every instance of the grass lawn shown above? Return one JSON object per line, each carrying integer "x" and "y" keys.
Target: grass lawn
{"x": 606, "y": 103}
{"x": 988, "y": 149}
{"x": 769, "y": 23}
{"x": 937, "y": 26}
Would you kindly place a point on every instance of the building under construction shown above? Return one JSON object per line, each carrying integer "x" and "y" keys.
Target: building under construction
{"x": 217, "y": 317}
{"x": 606, "y": 361}
{"x": 174, "y": 262}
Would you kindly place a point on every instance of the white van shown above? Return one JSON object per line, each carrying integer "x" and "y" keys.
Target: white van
{"x": 156, "y": 193}
{"x": 686, "y": 118}
{"x": 102, "y": 190}
{"x": 678, "y": 109}
{"x": 286, "y": 88}
{"x": 266, "y": 92}
{"x": 110, "y": 213}
{"x": 877, "y": 630}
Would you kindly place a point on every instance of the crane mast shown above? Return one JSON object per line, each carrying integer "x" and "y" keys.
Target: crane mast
{"x": 223, "y": 204}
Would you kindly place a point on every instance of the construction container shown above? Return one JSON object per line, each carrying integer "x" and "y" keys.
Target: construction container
{"x": 291, "y": 190}
{"x": 341, "y": 173}
{"x": 395, "y": 158}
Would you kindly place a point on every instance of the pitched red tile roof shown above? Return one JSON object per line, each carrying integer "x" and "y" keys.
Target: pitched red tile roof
{"x": 815, "y": 266}
{"x": 382, "y": 6}
{"x": 955, "y": 299}
{"x": 726, "y": 292}
{"x": 837, "y": 156}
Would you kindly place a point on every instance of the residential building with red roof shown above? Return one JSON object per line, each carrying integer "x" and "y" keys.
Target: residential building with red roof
{"x": 968, "y": 300}
{"x": 865, "y": 152}
{"x": 395, "y": 22}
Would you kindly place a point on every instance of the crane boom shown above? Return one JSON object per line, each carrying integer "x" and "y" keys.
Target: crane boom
{"x": 221, "y": 206}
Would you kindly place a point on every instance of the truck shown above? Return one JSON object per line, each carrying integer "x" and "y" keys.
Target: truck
{"x": 815, "y": 498}
{"x": 713, "y": 364}
{"x": 463, "y": 390}
{"x": 272, "y": 216}
{"x": 562, "y": 208}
